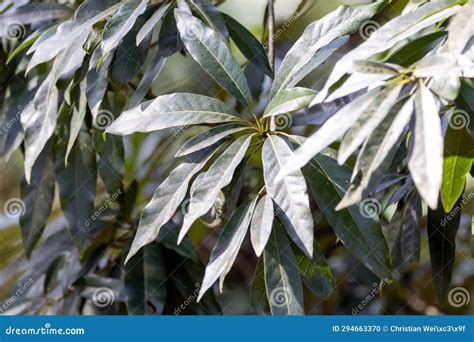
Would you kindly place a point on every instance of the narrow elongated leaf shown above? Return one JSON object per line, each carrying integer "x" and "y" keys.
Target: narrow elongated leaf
{"x": 290, "y": 193}
{"x": 77, "y": 187}
{"x": 396, "y": 30}
{"x": 121, "y": 23}
{"x": 174, "y": 110}
{"x": 460, "y": 30}
{"x": 411, "y": 230}
{"x": 289, "y": 100}
{"x": 426, "y": 159}
{"x": 370, "y": 67}
{"x": 209, "y": 137}
{"x": 167, "y": 198}
{"x": 145, "y": 281}
{"x": 442, "y": 230}
{"x": 262, "y": 222}
{"x": 333, "y": 129}
{"x": 38, "y": 199}
{"x": 209, "y": 49}
{"x": 227, "y": 246}
{"x": 35, "y": 12}
{"x": 282, "y": 279}
{"x": 152, "y": 22}
{"x": 96, "y": 81}
{"x": 315, "y": 272}
{"x": 458, "y": 157}
{"x": 250, "y": 47}
{"x": 77, "y": 118}
{"x": 211, "y": 16}
{"x": 258, "y": 293}
{"x": 207, "y": 185}
{"x": 361, "y": 235}
{"x": 303, "y": 57}
{"x": 365, "y": 125}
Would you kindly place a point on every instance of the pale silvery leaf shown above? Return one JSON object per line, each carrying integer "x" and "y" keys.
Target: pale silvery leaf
{"x": 34, "y": 12}
{"x": 303, "y": 56}
{"x": 289, "y": 100}
{"x": 152, "y": 22}
{"x": 167, "y": 198}
{"x": 97, "y": 80}
{"x": 366, "y": 123}
{"x": 426, "y": 159}
{"x": 262, "y": 222}
{"x": 388, "y": 35}
{"x": 377, "y": 148}
{"x": 290, "y": 193}
{"x": 210, "y": 50}
{"x": 120, "y": 23}
{"x": 460, "y": 30}
{"x": 356, "y": 82}
{"x": 227, "y": 246}
{"x": 282, "y": 279}
{"x": 179, "y": 109}
{"x": 207, "y": 185}
{"x": 209, "y": 137}
{"x": 370, "y": 67}
{"x": 332, "y": 130}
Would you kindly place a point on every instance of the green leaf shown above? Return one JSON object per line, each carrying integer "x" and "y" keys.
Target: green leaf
{"x": 121, "y": 23}
{"x": 442, "y": 230}
{"x": 258, "y": 293}
{"x": 458, "y": 157}
{"x": 289, "y": 100}
{"x": 38, "y": 199}
{"x": 152, "y": 22}
{"x": 426, "y": 159}
{"x": 289, "y": 194}
{"x": 227, "y": 246}
{"x": 262, "y": 222}
{"x": 77, "y": 118}
{"x": 411, "y": 230}
{"x": 207, "y": 185}
{"x": 174, "y": 110}
{"x": 362, "y": 236}
{"x": 250, "y": 47}
{"x": 209, "y": 49}
{"x": 315, "y": 272}
{"x": 396, "y": 30}
{"x": 167, "y": 198}
{"x": 209, "y": 137}
{"x": 77, "y": 187}
{"x": 318, "y": 43}
{"x": 282, "y": 279}
{"x": 145, "y": 281}
{"x": 24, "y": 45}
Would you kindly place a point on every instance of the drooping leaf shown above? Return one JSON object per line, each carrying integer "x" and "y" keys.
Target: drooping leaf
{"x": 250, "y": 47}
{"x": 211, "y": 16}
{"x": 289, "y": 194}
{"x": 262, "y": 222}
{"x": 209, "y": 137}
{"x": 282, "y": 279}
{"x": 318, "y": 43}
{"x": 145, "y": 281}
{"x": 167, "y": 198}
{"x": 212, "y": 53}
{"x": 458, "y": 157}
{"x": 258, "y": 293}
{"x": 361, "y": 235}
{"x": 35, "y": 12}
{"x": 411, "y": 230}
{"x": 152, "y": 22}
{"x": 227, "y": 246}
{"x": 207, "y": 185}
{"x": 96, "y": 81}
{"x": 37, "y": 197}
{"x": 442, "y": 230}
{"x": 315, "y": 272}
{"x": 179, "y": 109}
{"x": 426, "y": 160}
{"x": 289, "y": 100}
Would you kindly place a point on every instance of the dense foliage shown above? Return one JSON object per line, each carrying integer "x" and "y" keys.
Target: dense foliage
{"x": 76, "y": 84}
